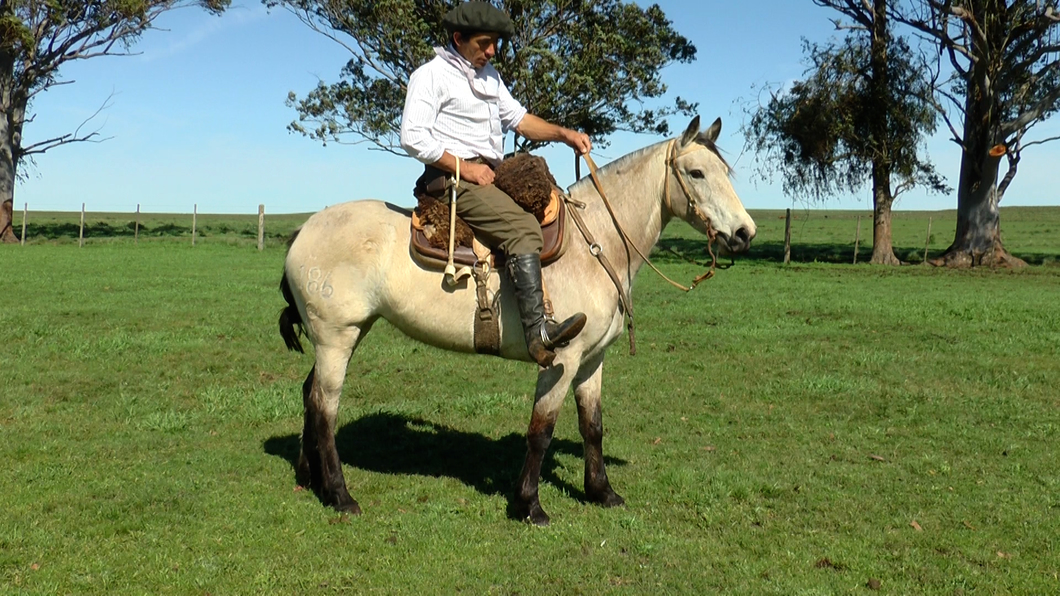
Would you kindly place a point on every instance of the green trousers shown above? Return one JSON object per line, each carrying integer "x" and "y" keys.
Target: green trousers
{"x": 493, "y": 215}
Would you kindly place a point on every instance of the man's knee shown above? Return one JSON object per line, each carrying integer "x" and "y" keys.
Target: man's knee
{"x": 526, "y": 238}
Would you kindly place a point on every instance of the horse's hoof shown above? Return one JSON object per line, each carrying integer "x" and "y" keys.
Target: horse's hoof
{"x": 343, "y": 503}
{"x": 607, "y": 498}
{"x": 351, "y": 508}
{"x": 538, "y": 517}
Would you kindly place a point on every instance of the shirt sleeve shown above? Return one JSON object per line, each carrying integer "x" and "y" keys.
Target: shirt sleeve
{"x": 417, "y": 120}
{"x": 511, "y": 111}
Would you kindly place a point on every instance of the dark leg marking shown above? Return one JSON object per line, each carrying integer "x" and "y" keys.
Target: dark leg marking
{"x": 597, "y": 486}
{"x": 538, "y": 438}
{"x": 319, "y": 461}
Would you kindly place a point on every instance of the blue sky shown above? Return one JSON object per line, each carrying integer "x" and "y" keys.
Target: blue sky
{"x": 198, "y": 117}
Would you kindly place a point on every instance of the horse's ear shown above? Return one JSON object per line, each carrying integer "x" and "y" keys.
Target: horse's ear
{"x": 691, "y": 132}
{"x": 713, "y": 132}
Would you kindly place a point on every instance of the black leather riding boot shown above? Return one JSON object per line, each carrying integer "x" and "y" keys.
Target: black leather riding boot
{"x": 542, "y": 335}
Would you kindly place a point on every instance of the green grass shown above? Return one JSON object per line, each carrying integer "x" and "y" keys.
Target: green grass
{"x": 778, "y": 432}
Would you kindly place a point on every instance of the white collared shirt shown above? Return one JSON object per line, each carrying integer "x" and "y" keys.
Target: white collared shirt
{"x": 443, "y": 114}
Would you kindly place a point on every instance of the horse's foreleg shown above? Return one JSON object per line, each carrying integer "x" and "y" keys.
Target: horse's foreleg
{"x": 318, "y": 463}
{"x": 552, "y": 385}
{"x": 587, "y": 389}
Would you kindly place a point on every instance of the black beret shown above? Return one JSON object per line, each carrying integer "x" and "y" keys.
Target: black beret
{"x": 478, "y": 16}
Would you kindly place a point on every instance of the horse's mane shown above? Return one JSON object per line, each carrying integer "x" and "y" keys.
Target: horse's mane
{"x": 702, "y": 139}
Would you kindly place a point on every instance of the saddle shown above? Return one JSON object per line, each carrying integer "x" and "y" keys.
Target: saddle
{"x": 526, "y": 180}
{"x": 553, "y": 230}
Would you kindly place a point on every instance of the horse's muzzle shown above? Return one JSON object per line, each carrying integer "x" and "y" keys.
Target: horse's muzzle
{"x": 738, "y": 242}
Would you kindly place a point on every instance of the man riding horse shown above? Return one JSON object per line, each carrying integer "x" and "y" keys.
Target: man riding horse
{"x": 457, "y": 110}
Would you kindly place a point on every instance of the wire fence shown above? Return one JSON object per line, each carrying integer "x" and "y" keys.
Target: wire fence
{"x": 784, "y": 236}
{"x": 195, "y": 228}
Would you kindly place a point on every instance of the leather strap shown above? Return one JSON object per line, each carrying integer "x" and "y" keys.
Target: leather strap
{"x": 487, "y": 327}
{"x": 597, "y": 251}
{"x": 618, "y": 226}
{"x": 451, "y": 275}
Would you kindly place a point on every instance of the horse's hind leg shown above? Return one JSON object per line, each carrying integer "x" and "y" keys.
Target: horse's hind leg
{"x": 587, "y": 389}
{"x": 318, "y": 463}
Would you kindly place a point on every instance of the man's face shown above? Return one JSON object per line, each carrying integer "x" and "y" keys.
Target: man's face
{"x": 478, "y": 49}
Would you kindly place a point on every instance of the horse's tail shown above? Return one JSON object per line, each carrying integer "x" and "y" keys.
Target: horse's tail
{"x": 291, "y": 325}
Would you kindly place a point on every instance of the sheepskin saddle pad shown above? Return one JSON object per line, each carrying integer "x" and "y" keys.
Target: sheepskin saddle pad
{"x": 523, "y": 177}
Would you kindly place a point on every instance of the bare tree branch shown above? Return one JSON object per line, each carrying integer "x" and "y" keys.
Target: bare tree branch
{"x": 1031, "y": 114}
{"x": 74, "y": 137}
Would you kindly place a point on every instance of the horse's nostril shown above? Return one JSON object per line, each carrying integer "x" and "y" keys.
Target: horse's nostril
{"x": 743, "y": 235}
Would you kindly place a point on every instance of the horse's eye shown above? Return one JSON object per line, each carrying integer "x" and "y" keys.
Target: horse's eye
{"x": 697, "y": 174}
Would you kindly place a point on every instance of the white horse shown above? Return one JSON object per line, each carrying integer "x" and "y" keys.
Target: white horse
{"x": 349, "y": 265}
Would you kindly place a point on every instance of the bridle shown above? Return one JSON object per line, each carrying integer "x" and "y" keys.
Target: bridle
{"x": 597, "y": 250}
{"x": 671, "y": 161}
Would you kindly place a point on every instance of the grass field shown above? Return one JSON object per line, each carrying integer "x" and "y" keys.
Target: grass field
{"x": 802, "y": 429}
{"x": 1032, "y": 233}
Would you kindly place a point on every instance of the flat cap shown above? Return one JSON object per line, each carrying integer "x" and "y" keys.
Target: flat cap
{"x": 478, "y": 16}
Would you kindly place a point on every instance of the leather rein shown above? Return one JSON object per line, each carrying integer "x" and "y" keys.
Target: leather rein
{"x": 597, "y": 250}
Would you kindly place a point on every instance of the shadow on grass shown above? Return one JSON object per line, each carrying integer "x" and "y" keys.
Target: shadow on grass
{"x": 395, "y": 444}
{"x": 670, "y": 250}
{"x": 102, "y": 229}
{"x": 678, "y": 250}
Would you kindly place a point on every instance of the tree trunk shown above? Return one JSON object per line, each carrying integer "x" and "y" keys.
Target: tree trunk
{"x": 11, "y": 120}
{"x": 7, "y": 232}
{"x": 978, "y": 238}
{"x": 882, "y": 250}
{"x": 7, "y": 184}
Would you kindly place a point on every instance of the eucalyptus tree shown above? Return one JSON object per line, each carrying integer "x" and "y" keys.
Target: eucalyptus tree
{"x": 584, "y": 64}
{"x": 1004, "y": 56}
{"x": 37, "y": 37}
{"x": 859, "y": 116}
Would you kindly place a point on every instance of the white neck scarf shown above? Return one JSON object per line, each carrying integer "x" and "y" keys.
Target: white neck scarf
{"x": 478, "y": 86}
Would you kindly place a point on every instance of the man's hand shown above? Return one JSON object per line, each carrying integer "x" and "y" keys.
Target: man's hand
{"x": 536, "y": 129}
{"x": 476, "y": 173}
{"x": 579, "y": 141}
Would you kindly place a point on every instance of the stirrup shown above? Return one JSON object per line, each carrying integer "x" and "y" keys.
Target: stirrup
{"x": 548, "y": 342}
{"x": 544, "y": 336}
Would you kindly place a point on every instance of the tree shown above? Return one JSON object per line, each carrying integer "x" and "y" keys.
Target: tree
{"x": 36, "y": 38}
{"x": 858, "y": 116}
{"x": 1005, "y": 61}
{"x": 579, "y": 63}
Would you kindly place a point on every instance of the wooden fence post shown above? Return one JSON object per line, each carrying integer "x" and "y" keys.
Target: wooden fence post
{"x": 787, "y": 238}
{"x": 136, "y": 234}
{"x": 857, "y": 239}
{"x": 81, "y": 234}
{"x": 261, "y": 227}
{"x": 194, "y": 221}
{"x": 25, "y": 212}
{"x": 927, "y": 243}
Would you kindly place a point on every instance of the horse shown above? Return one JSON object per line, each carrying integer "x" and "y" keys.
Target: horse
{"x": 349, "y": 265}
